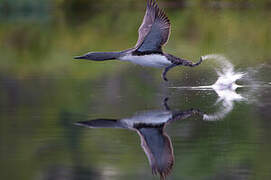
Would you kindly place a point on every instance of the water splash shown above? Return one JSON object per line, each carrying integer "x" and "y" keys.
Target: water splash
{"x": 227, "y": 76}
{"x": 255, "y": 80}
{"x": 225, "y": 87}
{"x": 257, "y": 84}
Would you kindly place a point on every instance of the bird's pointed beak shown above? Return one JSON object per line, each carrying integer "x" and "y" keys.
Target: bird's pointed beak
{"x": 80, "y": 57}
{"x": 101, "y": 123}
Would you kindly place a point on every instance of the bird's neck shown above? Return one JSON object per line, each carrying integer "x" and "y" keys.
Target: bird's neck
{"x": 138, "y": 53}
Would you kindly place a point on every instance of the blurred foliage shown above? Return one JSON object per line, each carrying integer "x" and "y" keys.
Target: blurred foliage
{"x": 25, "y": 4}
{"x": 45, "y": 41}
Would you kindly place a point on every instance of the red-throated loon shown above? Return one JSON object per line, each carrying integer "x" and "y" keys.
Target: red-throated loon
{"x": 150, "y": 126}
{"x": 153, "y": 33}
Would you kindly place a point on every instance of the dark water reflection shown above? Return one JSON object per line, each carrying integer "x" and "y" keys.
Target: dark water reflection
{"x": 150, "y": 126}
{"x": 37, "y": 127}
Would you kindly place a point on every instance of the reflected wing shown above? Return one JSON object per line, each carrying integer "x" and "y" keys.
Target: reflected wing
{"x": 102, "y": 123}
{"x": 154, "y": 30}
{"x": 158, "y": 148}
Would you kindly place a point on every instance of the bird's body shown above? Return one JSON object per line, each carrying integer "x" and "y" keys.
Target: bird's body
{"x": 153, "y": 33}
{"x": 155, "y": 117}
{"x": 150, "y": 60}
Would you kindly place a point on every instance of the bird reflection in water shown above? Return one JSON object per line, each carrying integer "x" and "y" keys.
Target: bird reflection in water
{"x": 150, "y": 126}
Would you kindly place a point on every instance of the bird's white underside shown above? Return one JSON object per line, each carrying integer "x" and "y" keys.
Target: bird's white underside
{"x": 149, "y": 117}
{"x": 152, "y": 60}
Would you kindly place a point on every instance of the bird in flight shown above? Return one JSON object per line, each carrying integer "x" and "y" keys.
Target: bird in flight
{"x": 153, "y": 33}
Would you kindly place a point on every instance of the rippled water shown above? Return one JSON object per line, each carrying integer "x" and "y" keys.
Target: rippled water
{"x": 195, "y": 134}
{"x": 64, "y": 119}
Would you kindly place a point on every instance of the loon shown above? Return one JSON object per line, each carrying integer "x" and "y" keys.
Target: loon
{"x": 150, "y": 126}
{"x": 153, "y": 33}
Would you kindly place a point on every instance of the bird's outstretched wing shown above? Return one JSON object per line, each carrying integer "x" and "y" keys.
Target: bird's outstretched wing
{"x": 158, "y": 148}
{"x": 154, "y": 30}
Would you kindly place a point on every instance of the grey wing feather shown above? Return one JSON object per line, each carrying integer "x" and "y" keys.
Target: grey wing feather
{"x": 154, "y": 30}
{"x": 158, "y": 148}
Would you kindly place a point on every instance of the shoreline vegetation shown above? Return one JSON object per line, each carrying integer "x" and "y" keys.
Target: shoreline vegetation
{"x": 6, "y": 5}
{"x": 42, "y": 41}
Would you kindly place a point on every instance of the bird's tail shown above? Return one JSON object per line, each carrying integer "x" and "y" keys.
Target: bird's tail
{"x": 100, "y": 56}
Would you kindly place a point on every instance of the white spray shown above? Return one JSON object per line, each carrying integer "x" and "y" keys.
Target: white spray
{"x": 224, "y": 87}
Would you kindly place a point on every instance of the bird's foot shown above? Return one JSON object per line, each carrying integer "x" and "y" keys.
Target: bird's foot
{"x": 198, "y": 63}
{"x": 165, "y": 103}
{"x": 164, "y": 77}
{"x": 201, "y": 59}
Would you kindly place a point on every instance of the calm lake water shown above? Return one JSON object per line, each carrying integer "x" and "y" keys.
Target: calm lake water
{"x": 211, "y": 132}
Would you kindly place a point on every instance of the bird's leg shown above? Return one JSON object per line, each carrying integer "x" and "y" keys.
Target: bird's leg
{"x": 166, "y": 70}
